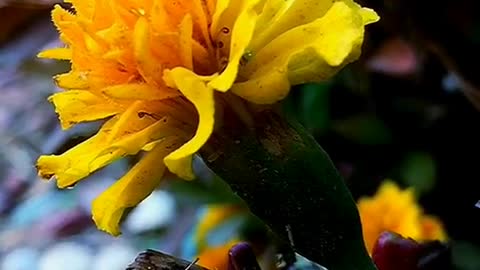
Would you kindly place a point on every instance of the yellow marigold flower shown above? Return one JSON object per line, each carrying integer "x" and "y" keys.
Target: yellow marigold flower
{"x": 396, "y": 210}
{"x": 160, "y": 70}
{"x": 432, "y": 228}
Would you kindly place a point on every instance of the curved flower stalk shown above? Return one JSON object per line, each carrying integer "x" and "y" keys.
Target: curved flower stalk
{"x": 396, "y": 210}
{"x": 290, "y": 183}
{"x": 162, "y": 72}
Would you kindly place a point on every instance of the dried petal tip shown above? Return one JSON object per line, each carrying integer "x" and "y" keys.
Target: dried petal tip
{"x": 393, "y": 252}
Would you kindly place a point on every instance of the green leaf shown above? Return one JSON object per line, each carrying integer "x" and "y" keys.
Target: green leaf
{"x": 198, "y": 192}
{"x": 364, "y": 129}
{"x": 314, "y": 110}
{"x": 418, "y": 170}
{"x": 466, "y": 255}
{"x": 290, "y": 183}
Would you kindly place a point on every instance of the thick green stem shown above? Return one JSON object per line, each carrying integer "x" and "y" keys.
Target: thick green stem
{"x": 289, "y": 182}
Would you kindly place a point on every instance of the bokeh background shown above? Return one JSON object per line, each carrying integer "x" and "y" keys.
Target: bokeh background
{"x": 406, "y": 111}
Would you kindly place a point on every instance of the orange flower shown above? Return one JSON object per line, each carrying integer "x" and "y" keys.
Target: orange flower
{"x": 215, "y": 258}
{"x": 392, "y": 209}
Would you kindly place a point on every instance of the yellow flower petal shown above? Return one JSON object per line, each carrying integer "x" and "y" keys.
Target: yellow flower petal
{"x": 147, "y": 66}
{"x": 79, "y": 106}
{"x": 131, "y": 144}
{"x": 216, "y": 258}
{"x": 242, "y": 33}
{"x": 139, "y": 91}
{"x": 131, "y": 189}
{"x": 142, "y": 114}
{"x": 117, "y": 36}
{"x": 56, "y": 53}
{"x": 220, "y": 8}
{"x": 279, "y": 16}
{"x": 71, "y": 32}
{"x": 73, "y": 164}
{"x": 390, "y": 209}
{"x": 266, "y": 89}
{"x": 186, "y": 31}
{"x": 432, "y": 229}
{"x": 159, "y": 17}
{"x": 393, "y": 209}
{"x": 369, "y": 16}
{"x": 211, "y": 6}
{"x": 101, "y": 150}
{"x": 202, "y": 19}
{"x": 72, "y": 80}
{"x": 197, "y": 92}
{"x": 86, "y": 8}
{"x": 307, "y": 53}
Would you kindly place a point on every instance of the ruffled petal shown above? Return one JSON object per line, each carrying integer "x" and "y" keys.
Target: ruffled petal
{"x": 77, "y": 106}
{"x": 131, "y": 189}
{"x": 194, "y": 88}
{"x": 220, "y": 8}
{"x": 185, "y": 40}
{"x": 73, "y": 164}
{"x": 112, "y": 142}
{"x": 133, "y": 143}
{"x": 70, "y": 32}
{"x": 202, "y": 20}
{"x": 266, "y": 89}
{"x": 400, "y": 213}
{"x": 211, "y": 6}
{"x": 72, "y": 80}
{"x": 147, "y": 67}
{"x": 85, "y": 8}
{"x": 432, "y": 229}
{"x": 142, "y": 114}
{"x": 369, "y": 16}
{"x": 279, "y": 16}
{"x": 56, "y": 53}
{"x": 139, "y": 91}
{"x": 333, "y": 41}
{"x": 241, "y": 36}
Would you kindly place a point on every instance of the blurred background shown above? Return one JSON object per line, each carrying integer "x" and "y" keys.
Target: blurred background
{"x": 406, "y": 111}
